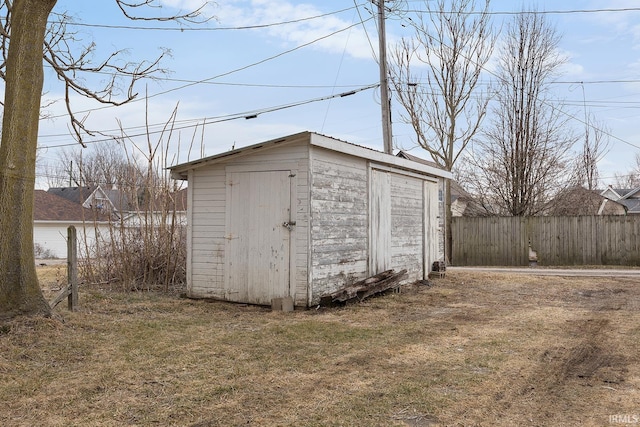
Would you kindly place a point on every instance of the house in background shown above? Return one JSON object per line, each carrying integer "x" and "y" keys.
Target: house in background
{"x": 54, "y": 214}
{"x": 303, "y": 216}
{"x": 166, "y": 209}
{"x": 578, "y": 201}
{"x": 465, "y": 204}
{"x": 630, "y": 198}
{"x": 93, "y": 211}
{"x": 112, "y": 202}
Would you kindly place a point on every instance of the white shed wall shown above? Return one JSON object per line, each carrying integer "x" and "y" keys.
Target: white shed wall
{"x": 341, "y": 241}
{"x": 339, "y": 221}
{"x": 206, "y": 220}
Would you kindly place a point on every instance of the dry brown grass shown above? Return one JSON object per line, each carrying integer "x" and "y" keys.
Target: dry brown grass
{"x": 474, "y": 349}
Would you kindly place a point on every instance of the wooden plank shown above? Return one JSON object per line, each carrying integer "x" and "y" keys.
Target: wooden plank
{"x": 380, "y": 219}
{"x": 72, "y": 268}
{"x": 363, "y": 289}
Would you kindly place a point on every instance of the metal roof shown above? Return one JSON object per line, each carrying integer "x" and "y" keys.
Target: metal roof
{"x": 316, "y": 140}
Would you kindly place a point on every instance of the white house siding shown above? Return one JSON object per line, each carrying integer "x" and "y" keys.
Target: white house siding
{"x": 207, "y": 219}
{"x": 339, "y": 217}
{"x": 155, "y": 219}
{"x": 52, "y": 236}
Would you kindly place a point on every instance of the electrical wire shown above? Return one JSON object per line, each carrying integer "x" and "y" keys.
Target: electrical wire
{"x": 199, "y": 29}
{"x": 208, "y": 121}
{"x": 544, "y": 12}
{"x": 227, "y": 73}
{"x": 569, "y": 115}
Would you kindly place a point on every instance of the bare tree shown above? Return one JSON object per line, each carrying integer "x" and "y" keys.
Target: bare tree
{"x": 522, "y": 158}
{"x": 595, "y": 146}
{"x": 630, "y": 180}
{"x": 446, "y": 111}
{"x": 106, "y": 164}
{"x": 24, "y": 39}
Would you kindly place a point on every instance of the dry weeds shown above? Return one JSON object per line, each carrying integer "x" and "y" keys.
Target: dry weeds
{"x": 474, "y": 349}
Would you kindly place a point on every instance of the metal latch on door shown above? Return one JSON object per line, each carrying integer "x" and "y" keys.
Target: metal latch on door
{"x": 288, "y": 224}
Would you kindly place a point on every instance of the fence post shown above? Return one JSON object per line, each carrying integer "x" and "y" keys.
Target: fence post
{"x": 72, "y": 268}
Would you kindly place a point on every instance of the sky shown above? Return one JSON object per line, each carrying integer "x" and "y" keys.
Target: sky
{"x": 264, "y": 69}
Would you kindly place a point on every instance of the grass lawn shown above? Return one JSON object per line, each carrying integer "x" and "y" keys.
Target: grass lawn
{"x": 485, "y": 349}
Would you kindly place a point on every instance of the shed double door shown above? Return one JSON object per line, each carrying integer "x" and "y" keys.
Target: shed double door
{"x": 258, "y": 233}
{"x": 404, "y": 223}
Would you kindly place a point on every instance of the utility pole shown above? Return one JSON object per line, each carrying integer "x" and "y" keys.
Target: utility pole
{"x": 387, "y": 135}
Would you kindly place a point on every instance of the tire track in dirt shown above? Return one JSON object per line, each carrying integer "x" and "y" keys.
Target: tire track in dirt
{"x": 586, "y": 358}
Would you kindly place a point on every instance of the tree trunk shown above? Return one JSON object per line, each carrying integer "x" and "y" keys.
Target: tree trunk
{"x": 20, "y": 291}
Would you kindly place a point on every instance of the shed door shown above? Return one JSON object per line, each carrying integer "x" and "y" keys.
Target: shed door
{"x": 257, "y": 249}
{"x": 380, "y": 204}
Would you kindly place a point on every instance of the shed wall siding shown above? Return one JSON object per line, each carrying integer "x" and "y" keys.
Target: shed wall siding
{"x": 208, "y": 219}
{"x": 339, "y": 224}
{"x": 407, "y": 224}
{"x": 207, "y": 233}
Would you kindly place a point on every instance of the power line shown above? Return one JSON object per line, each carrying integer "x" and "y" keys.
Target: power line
{"x": 241, "y": 84}
{"x": 571, "y": 116}
{"x": 212, "y": 120}
{"x": 543, "y": 12}
{"x": 200, "y": 29}
{"x": 208, "y": 80}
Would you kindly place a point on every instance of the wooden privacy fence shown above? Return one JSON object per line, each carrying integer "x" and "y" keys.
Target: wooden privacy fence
{"x": 577, "y": 240}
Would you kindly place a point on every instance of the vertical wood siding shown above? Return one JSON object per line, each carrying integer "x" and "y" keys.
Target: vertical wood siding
{"x": 580, "y": 240}
{"x": 433, "y": 232}
{"x": 407, "y": 225}
{"x": 380, "y": 221}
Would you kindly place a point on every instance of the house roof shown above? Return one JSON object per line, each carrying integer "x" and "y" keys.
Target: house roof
{"x": 628, "y": 194}
{"x": 74, "y": 194}
{"x": 119, "y": 199}
{"x": 408, "y": 156}
{"x": 624, "y": 196}
{"x": 632, "y": 205}
{"x": 581, "y": 201}
{"x": 620, "y": 193}
{"x": 50, "y": 207}
{"x": 317, "y": 140}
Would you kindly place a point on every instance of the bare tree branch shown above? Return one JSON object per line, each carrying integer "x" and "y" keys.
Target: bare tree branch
{"x": 447, "y": 109}
{"x": 522, "y": 159}
{"x": 72, "y": 65}
{"x": 195, "y": 16}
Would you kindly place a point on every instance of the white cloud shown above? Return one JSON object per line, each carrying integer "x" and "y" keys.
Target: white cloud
{"x": 327, "y": 30}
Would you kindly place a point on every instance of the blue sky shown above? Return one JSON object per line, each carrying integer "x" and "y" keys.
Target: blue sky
{"x": 267, "y": 70}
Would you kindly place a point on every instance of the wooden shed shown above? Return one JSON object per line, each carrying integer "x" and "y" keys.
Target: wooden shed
{"x": 303, "y": 216}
